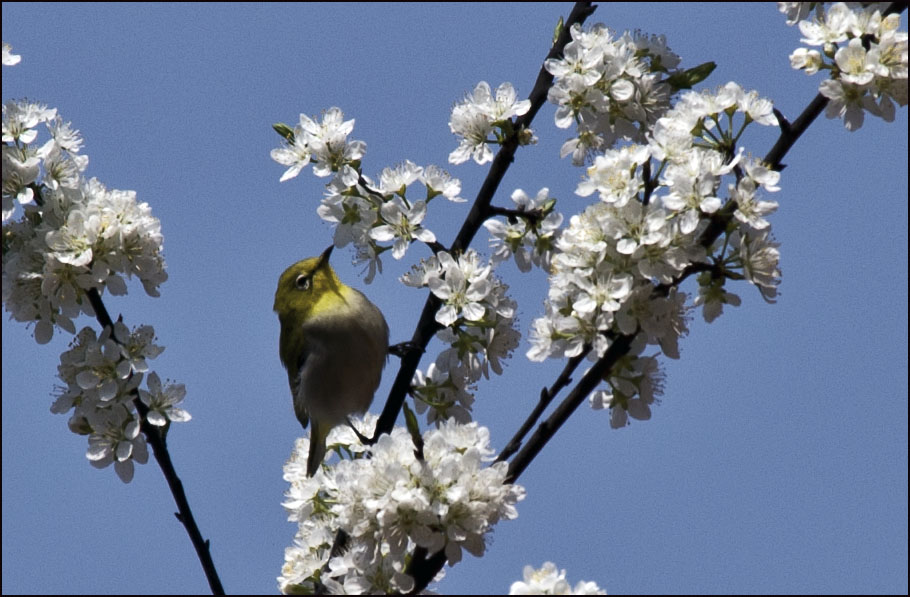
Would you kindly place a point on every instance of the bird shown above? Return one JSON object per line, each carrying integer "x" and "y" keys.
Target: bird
{"x": 334, "y": 344}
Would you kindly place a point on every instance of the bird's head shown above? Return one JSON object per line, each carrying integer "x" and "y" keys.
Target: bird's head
{"x": 307, "y": 288}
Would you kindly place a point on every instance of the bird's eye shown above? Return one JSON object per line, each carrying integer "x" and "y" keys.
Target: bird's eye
{"x": 302, "y": 282}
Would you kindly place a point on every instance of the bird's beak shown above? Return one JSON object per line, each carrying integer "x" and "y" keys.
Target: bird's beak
{"x": 324, "y": 258}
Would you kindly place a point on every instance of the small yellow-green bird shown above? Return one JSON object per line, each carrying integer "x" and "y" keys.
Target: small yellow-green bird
{"x": 333, "y": 343}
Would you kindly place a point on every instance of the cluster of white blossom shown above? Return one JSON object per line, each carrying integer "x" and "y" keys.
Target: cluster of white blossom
{"x": 479, "y": 320}
{"x": 609, "y": 88}
{"x": 389, "y": 500}
{"x": 439, "y": 497}
{"x": 482, "y": 119}
{"x": 529, "y": 233}
{"x": 73, "y": 234}
{"x": 102, "y": 375}
{"x": 616, "y": 264}
{"x": 366, "y": 213}
{"x": 863, "y": 50}
{"x": 550, "y": 581}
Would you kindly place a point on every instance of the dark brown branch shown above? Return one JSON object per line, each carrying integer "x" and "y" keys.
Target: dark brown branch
{"x": 425, "y": 568}
{"x": 618, "y": 348}
{"x": 790, "y": 133}
{"x": 533, "y": 216}
{"x": 159, "y": 447}
{"x": 413, "y": 351}
{"x": 435, "y": 246}
{"x": 480, "y": 211}
{"x": 895, "y": 7}
{"x": 546, "y": 397}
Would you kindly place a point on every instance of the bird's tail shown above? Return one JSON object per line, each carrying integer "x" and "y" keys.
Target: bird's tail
{"x": 318, "y": 433}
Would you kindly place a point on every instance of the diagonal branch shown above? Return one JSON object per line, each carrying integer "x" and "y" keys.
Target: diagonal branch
{"x": 480, "y": 212}
{"x": 620, "y": 346}
{"x": 159, "y": 446}
{"x": 586, "y": 385}
{"x": 546, "y": 397}
{"x": 790, "y": 133}
{"x": 424, "y": 567}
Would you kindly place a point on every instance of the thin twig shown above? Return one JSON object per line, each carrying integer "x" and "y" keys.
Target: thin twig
{"x": 546, "y": 397}
{"x": 586, "y": 385}
{"x": 534, "y": 216}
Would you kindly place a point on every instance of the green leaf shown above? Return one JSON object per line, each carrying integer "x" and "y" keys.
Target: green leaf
{"x": 689, "y": 78}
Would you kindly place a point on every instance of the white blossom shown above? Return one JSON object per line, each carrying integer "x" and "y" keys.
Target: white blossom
{"x": 615, "y": 267}
{"x": 82, "y": 236}
{"x": 162, "y": 401}
{"x": 462, "y": 285}
{"x": 442, "y": 395}
{"x": 102, "y": 375}
{"x": 10, "y": 59}
{"x": 550, "y": 581}
{"x": 115, "y": 439}
{"x": 396, "y": 180}
{"x": 479, "y": 332}
{"x": 530, "y": 239}
{"x": 865, "y": 54}
{"x": 475, "y": 119}
{"x": 611, "y": 87}
{"x": 391, "y": 503}
{"x": 760, "y": 256}
{"x": 440, "y": 182}
{"x": 401, "y": 224}
{"x": 324, "y": 143}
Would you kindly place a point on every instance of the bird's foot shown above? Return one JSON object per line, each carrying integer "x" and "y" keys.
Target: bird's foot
{"x": 401, "y": 349}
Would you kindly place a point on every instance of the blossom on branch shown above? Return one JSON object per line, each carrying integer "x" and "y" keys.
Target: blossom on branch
{"x": 864, "y": 52}
{"x": 480, "y": 117}
{"x": 389, "y": 500}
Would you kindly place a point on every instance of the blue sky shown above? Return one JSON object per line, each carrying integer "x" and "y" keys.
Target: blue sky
{"x": 776, "y": 462}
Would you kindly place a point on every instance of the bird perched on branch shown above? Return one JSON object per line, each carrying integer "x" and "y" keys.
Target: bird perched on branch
{"x": 333, "y": 343}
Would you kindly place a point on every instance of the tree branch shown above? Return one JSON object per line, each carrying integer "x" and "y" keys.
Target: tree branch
{"x": 422, "y": 567}
{"x": 586, "y": 385}
{"x": 159, "y": 447}
{"x": 480, "y": 211}
{"x": 546, "y": 397}
{"x": 790, "y": 133}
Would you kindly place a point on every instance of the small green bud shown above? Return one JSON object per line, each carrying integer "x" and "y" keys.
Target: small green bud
{"x": 284, "y": 130}
{"x": 410, "y": 420}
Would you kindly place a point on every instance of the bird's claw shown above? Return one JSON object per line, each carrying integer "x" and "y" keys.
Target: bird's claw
{"x": 401, "y": 349}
